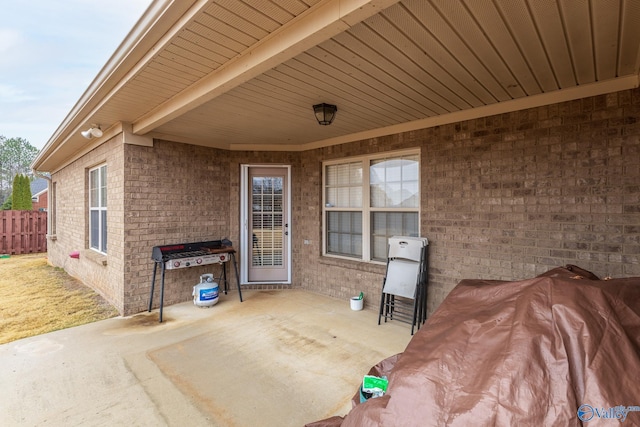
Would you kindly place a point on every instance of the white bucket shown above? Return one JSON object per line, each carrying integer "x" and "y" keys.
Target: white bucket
{"x": 357, "y": 303}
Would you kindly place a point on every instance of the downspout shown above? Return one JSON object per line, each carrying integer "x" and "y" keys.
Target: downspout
{"x": 49, "y": 200}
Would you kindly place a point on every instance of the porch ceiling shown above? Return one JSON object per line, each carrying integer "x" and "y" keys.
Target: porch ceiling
{"x": 244, "y": 74}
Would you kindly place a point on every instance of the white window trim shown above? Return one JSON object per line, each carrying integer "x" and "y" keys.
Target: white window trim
{"x": 100, "y": 209}
{"x": 366, "y": 208}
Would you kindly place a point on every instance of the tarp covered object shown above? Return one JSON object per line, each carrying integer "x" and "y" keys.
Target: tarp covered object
{"x": 526, "y": 353}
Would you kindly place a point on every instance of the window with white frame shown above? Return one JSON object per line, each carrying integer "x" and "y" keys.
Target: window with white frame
{"x": 98, "y": 208}
{"x": 367, "y": 200}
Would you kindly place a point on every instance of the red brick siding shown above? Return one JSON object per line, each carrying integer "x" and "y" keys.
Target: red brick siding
{"x": 41, "y": 203}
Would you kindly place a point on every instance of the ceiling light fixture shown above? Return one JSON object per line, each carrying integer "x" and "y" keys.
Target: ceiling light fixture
{"x": 93, "y": 132}
{"x": 325, "y": 113}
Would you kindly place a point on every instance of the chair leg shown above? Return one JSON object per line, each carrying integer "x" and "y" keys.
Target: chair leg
{"x": 416, "y": 303}
{"x": 381, "y": 308}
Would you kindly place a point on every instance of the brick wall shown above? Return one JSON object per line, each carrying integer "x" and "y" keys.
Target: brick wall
{"x": 506, "y": 197}
{"x": 71, "y": 216}
{"x": 42, "y": 202}
{"x": 503, "y": 197}
{"x": 511, "y": 196}
{"x": 174, "y": 193}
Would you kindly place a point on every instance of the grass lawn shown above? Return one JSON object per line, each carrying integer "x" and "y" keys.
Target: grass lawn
{"x": 36, "y": 298}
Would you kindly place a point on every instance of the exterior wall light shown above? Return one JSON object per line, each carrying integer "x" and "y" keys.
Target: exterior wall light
{"x": 325, "y": 113}
{"x": 93, "y": 132}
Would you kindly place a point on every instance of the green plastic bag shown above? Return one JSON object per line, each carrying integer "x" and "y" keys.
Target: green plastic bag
{"x": 375, "y": 385}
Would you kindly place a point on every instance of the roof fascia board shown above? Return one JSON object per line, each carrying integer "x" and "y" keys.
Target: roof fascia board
{"x": 312, "y": 27}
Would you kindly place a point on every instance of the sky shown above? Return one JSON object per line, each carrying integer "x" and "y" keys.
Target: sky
{"x": 50, "y": 51}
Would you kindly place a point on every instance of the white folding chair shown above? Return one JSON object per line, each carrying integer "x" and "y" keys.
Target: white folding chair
{"x": 404, "y": 285}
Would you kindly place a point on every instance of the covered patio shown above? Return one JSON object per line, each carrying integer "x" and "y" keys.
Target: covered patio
{"x": 518, "y": 123}
{"x": 280, "y": 358}
{"x": 519, "y": 120}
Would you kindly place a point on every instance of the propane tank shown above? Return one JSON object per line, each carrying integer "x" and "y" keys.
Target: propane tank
{"x": 206, "y": 293}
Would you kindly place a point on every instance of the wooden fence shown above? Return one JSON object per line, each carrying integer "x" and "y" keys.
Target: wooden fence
{"x": 23, "y": 232}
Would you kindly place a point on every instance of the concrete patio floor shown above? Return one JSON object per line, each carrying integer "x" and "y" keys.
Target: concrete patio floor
{"x": 280, "y": 358}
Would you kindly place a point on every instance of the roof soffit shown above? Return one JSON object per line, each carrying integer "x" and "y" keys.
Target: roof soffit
{"x": 390, "y": 66}
{"x": 318, "y": 24}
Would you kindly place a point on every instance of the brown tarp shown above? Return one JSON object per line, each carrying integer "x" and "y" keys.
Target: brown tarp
{"x": 524, "y": 353}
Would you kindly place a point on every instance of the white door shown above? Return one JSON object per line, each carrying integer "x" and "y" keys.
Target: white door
{"x": 266, "y": 221}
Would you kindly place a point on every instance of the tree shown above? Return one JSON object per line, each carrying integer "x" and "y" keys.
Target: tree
{"x": 16, "y": 194}
{"x": 21, "y": 196}
{"x": 8, "y": 204}
{"x": 28, "y": 200}
{"x": 16, "y": 156}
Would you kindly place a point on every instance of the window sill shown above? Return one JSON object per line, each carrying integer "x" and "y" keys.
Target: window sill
{"x": 94, "y": 256}
{"x": 371, "y": 267}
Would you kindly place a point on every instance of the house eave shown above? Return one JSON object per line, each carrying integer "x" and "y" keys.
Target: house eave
{"x": 159, "y": 17}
